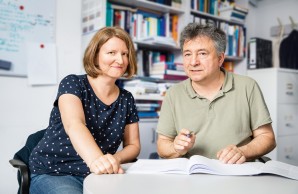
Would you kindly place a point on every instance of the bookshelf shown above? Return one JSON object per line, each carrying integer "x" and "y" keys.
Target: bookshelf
{"x": 234, "y": 27}
{"x": 215, "y": 17}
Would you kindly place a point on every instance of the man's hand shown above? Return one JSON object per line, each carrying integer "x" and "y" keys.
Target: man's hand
{"x": 184, "y": 141}
{"x": 231, "y": 155}
{"x": 106, "y": 164}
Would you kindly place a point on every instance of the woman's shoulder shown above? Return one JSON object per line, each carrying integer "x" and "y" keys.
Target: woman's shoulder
{"x": 125, "y": 93}
{"x": 73, "y": 78}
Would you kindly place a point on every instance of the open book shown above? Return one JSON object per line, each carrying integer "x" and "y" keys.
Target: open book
{"x": 201, "y": 164}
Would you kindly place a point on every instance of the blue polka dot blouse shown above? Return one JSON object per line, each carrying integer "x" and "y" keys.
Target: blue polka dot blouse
{"x": 55, "y": 154}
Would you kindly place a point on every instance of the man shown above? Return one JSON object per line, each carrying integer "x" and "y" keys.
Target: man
{"x": 214, "y": 113}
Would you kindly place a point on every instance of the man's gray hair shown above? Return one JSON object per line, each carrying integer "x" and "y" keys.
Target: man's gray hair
{"x": 193, "y": 30}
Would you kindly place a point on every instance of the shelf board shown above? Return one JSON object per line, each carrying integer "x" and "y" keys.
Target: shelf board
{"x": 156, "y": 97}
{"x": 232, "y": 58}
{"x": 208, "y": 15}
{"x": 143, "y": 44}
{"x": 153, "y": 119}
{"x": 149, "y": 79}
{"x": 150, "y": 5}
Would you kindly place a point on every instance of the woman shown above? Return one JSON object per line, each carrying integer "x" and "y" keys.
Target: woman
{"x": 90, "y": 118}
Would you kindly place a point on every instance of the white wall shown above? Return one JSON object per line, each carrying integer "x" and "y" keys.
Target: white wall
{"x": 269, "y": 10}
{"x": 25, "y": 109}
{"x": 260, "y": 19}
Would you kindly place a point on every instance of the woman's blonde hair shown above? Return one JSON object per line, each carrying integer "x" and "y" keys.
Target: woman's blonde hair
{"x": 90, "y": 60}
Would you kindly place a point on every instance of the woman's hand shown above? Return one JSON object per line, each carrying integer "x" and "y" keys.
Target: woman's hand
{"x": 106, "y": 164}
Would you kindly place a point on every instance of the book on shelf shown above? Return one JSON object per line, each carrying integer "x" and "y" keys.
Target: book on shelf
{"x": 234, "y": 7}
{"x": 147, "y": 114}
{"x": 159, "y": 40}
{"x": 174, "y": 24}
{"x": 228, "y": 65}
{"x": 233, "y": 13}
{"x": 141, "y": 87}
{"x": 145, "y": 109}
{"x": 147, "y": 106}
{"x": 163, "y": 65}
{"x": 200, "y": 164}
{"x": 169, "y": 77}
{"x": 176, "y": 3}
{"x": 207, "y": 6}
{"x": 148, "y": 58}
{"x": 122, "y": 7}
{"x": 149, "y": 96}
{"x": 163, "y": 2}
{"x": 167, "y": 72}
{"x": 259, "y": 53}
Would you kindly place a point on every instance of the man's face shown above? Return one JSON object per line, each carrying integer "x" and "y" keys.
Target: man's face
{"x": 200, "y": 59}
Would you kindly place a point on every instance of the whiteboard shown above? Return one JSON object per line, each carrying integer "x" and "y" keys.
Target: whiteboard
{"x": 22, "y": 22}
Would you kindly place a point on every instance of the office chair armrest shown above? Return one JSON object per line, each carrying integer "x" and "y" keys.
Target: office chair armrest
{"x": 24, "y": 173}
{"x": 264, "y": 159}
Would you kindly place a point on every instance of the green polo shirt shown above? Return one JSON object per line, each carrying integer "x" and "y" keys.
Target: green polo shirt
{"x": 237, "y": 109}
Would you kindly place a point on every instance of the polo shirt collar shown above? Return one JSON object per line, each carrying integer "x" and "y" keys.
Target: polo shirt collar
{"x": 227, "y": 85}
{"x": 229, "y": 80}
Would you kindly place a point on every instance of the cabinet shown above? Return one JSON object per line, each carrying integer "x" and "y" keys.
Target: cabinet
{"x": 280, "y": 90}
{"x": 147, "y": 137}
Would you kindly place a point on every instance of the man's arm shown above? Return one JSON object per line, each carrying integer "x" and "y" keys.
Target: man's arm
{"x": 262, "y": 143}
{"x": 168, "y": 147}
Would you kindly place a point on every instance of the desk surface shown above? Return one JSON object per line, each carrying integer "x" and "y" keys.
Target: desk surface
{"x": 188, "y": 184}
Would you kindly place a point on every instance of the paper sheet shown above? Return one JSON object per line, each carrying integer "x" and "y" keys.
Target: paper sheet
{"x": 42, "y": 63}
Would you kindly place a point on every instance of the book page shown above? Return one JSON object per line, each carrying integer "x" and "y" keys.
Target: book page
{"x": 200, "y": 164}
{"x": 147, "y": 166}
{"x": 280, "y": 168}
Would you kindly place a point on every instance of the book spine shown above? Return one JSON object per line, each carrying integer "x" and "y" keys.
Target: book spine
{"x": 175, "y": 27}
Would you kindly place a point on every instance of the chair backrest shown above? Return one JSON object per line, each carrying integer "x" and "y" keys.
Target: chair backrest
{"x": 24, "y": 153}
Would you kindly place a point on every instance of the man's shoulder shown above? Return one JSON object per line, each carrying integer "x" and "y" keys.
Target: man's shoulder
{"x": 178, "y": 87}
{"x": 242, "y": 79}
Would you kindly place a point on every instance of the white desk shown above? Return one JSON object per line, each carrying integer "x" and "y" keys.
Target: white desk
{"x": 188, "y": 184}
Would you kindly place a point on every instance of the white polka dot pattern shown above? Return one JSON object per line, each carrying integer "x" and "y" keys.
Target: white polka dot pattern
{"x": 55, "y": 154}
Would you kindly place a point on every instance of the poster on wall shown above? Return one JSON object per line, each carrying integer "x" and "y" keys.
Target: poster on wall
{"x": 23, "y": 22}
{"x": 93, "y": 18}
{"x": 93, "y": 15}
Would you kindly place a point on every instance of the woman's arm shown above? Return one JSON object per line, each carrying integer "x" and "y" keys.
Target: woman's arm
{"x": 73, "y": 119}
{"x": 131, "y": 144}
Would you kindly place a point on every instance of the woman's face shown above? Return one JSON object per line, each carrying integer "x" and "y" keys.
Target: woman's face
{"x": 113, "y": 58}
